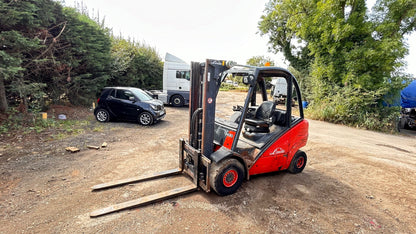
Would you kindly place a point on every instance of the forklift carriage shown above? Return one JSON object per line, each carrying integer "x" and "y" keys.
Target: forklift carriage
{"x": 220, "y": 153}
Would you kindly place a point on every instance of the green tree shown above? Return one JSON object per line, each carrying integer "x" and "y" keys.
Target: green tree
{"x": 85, "y": 61}
{"x": 284, "y": 39}
{"x": 135, "y": 64}
{"x": 345, "y": 51}
{"x": 25, "y": 43}
{"x": 260, "y": 61}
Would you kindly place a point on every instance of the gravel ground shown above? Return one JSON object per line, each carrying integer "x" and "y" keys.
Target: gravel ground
{"x": 355, "y": 181}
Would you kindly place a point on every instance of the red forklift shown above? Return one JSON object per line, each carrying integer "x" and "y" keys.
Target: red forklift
{"x": 220, "y": 153}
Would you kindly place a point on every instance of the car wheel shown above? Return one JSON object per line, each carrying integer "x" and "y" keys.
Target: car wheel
{"x": 177, "y": 101}
{"x": 226, "y": 177}
{"x": 102, "y": 115}
{"x": 298, "y": 162}
{"x": 145, "y": 118}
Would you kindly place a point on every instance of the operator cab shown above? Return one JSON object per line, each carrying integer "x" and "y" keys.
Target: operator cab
{"x": 257, "y": 121}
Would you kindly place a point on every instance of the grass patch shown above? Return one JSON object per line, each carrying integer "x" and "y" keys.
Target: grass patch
{"x": 31, "y": 123}
{"x": 230, "y": 87}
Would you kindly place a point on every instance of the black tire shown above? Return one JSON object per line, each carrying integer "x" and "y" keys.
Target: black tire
{"x": 226, "y": 177}
{"x": 400, "y": 124}
{"x": 298, "y": 162}
{"x": 177, "y": 101}
{"x": 406, "y": 124}
{"x": 102, "y": 115}
{"x": 146, "y": 119}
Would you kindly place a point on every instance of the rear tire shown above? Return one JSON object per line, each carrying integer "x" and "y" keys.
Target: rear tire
{"x": 102, "y": 115}
{"x": 145, "y": 118}
{"x": 298, "y": 162}
{"x": 177, "y": 101}
{"x": 226, "y": 176}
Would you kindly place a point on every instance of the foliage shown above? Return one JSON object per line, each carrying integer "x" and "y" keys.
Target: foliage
{"x": 303, "y": 81}
{"x": 24, "y": 43}
{"x": 228, "y": 87}
{"x": 52, "y": 54}
{"x": 282, "y": 38}
{"x": 260, "y": 61}
{"x": 356, "y": 108}
{"x": 343, "y": 51}
{"x": 86, "y": 61}
{"x": 135, "y": 64}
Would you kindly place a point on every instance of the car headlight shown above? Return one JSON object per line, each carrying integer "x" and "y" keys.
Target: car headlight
{"x": 153, "y": 107}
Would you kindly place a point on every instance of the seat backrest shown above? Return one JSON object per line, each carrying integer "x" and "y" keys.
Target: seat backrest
{"x": 280, "y": 118}
{"x": 265, "y": 110}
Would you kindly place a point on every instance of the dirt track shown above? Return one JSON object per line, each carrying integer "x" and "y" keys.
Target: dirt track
{"x": 355, "y": 181}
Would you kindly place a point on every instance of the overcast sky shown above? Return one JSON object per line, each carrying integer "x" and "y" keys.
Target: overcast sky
{"x": 195, "y": 30}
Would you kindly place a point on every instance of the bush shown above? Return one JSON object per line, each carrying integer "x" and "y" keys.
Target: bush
{"x": 356, "y": 108}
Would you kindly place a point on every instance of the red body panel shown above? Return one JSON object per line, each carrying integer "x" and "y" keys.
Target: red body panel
{"x": 279, "y": 155}
{"x": 229, "y": 139}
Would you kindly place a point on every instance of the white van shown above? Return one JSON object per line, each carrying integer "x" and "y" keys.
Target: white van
{"x": 279, "y": 89}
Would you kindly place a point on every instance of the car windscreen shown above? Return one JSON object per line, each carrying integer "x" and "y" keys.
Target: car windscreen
{"x": 141, "y": 95}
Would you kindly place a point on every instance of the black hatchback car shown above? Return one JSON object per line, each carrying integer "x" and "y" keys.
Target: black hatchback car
{"x": 128, "y": 103}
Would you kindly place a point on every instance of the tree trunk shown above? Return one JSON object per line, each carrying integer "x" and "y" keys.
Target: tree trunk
{"x": 3, "y": 99}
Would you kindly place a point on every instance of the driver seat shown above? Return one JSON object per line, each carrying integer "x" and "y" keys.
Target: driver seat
{"x": 263, "y": 118}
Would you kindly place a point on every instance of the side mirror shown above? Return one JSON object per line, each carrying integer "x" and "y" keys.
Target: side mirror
{"x": 132, "y": 99}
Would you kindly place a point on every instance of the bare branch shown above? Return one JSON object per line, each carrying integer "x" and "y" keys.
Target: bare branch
{"x": 54, "y": 40}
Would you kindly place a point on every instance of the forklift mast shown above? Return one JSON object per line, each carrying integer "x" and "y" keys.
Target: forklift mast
{"x": 205, "y": 84}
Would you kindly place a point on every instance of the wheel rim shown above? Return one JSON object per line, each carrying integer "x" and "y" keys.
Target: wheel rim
{"x": 102, "y": 116}
{"x": 230, "y": 178}
{"x": 300, "y": 162}
{"x": 145, "y": 119}
{"x": 177, "y": 101}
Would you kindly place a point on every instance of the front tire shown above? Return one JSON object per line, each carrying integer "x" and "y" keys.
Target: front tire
{"x": 226, "y": 177}
{"x": 298, "y": 162}
{"x": 177, "y": 101}
{"x": 146, "y": 119}
{"x": 102, "y": 115}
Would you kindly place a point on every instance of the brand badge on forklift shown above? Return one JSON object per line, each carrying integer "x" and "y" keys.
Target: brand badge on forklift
{"x": 209, "y": 100}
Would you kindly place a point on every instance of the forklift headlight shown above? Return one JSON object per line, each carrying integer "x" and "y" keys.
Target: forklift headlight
{"x": 230, "y": 64}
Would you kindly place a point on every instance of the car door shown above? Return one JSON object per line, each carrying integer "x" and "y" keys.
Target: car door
{"x": 114, "y": 105}
{"x": 124, "y": 104}
{"x": 130, "y": 104}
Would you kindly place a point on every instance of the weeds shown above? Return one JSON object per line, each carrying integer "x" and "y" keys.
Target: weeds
{"x": 30, "y": 123}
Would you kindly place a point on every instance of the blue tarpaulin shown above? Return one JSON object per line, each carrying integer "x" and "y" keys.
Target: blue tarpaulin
{"x": 408, "y": 96}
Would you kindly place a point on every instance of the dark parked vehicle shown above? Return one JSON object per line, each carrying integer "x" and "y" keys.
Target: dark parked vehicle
{"x": 128, "y": 103}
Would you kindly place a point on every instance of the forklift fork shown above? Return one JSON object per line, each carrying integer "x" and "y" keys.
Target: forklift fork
{"x": 136, "y": 179}
{"x": 184, "y": 169}
{"x": 145, "y": 200}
